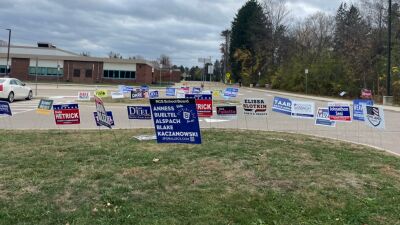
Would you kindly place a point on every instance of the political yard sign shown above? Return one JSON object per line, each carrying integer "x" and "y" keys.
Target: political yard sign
{"x": 139, "y": 112}
{"x": 180, "y": 94}
{"x": 110, "y": 118}
{"x": 186, "y": 90}
{"x": 170, "y": 92}
{"x": 358, "y": 108}
{"x": 137, "y": 94}
{"x": 204, "y": 104}
{"x": 282, "y": 105}
{"x": 339, "y": 112}
{"x": 322, "y": 118}
{"x": 117, "y": 95}
{"x": 66, "y": 114}
{"x": 176, "y": 121}
{"x": 101, "y": 113}
{"x": 231, "y": 92}
{"x": 196, "y": 90}
{"x": 216, "y": 93}
{"x": 304, "y": 110}
{"x": 5, "y": 108}
{"x": 45, "y": 106}
{"x": 101, "y": 93}
{"x": 227, "y": 111}
{"x": 125, "y": 89}
{"x": 255, "y": 107}
{"x": 375, "y": 117}
{"x": 153, "y": 94}
{"x": 84, "y": 96}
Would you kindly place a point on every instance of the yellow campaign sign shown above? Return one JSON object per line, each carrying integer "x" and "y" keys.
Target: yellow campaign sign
{"x": 101, "y": 93}
{"x": 216, "y": 93}
{"x": 44, "y": 107}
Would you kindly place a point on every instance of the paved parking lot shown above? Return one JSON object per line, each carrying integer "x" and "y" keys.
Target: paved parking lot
{"x": 26, "y": 118}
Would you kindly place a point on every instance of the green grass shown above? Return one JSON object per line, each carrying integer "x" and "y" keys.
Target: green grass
{"x": 88, "y": 177}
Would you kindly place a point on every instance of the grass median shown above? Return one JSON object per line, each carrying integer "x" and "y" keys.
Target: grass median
{"x": 234, "y": 177}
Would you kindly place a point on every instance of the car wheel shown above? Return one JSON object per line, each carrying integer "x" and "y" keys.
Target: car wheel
{"x": 11, "y": 97}
{"x": 30, "y": 96}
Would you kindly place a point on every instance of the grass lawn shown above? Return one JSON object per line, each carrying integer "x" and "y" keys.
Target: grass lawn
{"x": 255, "y": 178}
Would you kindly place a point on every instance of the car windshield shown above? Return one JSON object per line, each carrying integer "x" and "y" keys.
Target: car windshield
{"x": 2, "y": 81}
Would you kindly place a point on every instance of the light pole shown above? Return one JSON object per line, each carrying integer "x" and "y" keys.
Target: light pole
{"x": 306, "y": 72}
{"x": 8, "y": 51}
{"x": 170, "y": 76}
{"x": 388, "y": 98}
{"x": 160, "y": 72}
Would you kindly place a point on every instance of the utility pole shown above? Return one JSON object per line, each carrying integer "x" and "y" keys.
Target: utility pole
{"x": 389, "y": 64}
{"x": 8, "y": 51}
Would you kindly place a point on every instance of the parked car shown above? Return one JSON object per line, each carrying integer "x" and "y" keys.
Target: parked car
{"x": 12, "y": 89}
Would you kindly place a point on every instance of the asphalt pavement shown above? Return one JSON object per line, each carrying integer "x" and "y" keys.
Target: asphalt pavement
{"x": 25, "y": 116}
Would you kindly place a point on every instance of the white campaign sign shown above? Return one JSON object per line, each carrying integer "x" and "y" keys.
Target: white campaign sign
{"x": 374, "y": 116}
{"x": 304, "y": 110}
{"x": 117, "y": 95}
{"x": 84, "y": 96}
{"x": 255, "y": 107}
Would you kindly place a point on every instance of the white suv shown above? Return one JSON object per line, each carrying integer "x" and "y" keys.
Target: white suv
{"x": 12, "y": 89}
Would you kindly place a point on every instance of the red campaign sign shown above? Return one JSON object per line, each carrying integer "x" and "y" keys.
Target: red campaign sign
{"x": 204, "y": 108}
{"x": 204, "y": 104}
{"x": 67, "y": 114}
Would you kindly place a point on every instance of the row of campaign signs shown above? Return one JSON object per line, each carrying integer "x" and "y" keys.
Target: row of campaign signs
{"x": 362, "y": 110}
{"x": 177, "y": 120}
{"x": 145, "y": 92}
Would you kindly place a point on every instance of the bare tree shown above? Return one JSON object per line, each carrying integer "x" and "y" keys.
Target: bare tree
{"x": 114, "y": 55}
{"x": 276, "y": 12}
{"x": 87, "y": 54}
{"x": 165, "y": 61}
{"x": 315, "y": 34}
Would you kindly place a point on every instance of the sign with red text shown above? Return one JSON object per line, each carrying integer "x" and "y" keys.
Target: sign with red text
{"x": 204, "y": 104}
{"x": 66, "y": 114}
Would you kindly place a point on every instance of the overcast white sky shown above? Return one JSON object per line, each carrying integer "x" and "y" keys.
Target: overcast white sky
{"x": 183, "y": 29}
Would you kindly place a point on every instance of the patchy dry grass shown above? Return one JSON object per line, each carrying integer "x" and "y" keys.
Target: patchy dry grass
{"x": 72, "y": 177}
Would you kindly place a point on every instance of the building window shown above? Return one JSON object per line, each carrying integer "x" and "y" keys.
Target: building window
{"x": 45, "y": 71}
{"x": 3, "y": 69}
{"x": 119, "y": 74}
{"x": 88, "y": 73}
{"x": 77, "y": 72}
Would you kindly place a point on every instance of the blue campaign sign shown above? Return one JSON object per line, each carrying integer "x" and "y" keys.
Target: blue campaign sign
{"x": 153, "y": 94}
{"x": 144, "y": 88}
{"x": 5, "y": 108}
{"x": 125, "y": 89}
{"x": 196, "y": 90}
{"x": 339, "y": 112}
{"x": 282, "y": 105}
{"x": 170, "y": 92}
{"x": 139, "y": 112}
{"x": 231, "y": 92}
{"x": 110, "y": 118}
{"x": 176, "y": 121}
{"x": 358, "y": 108}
